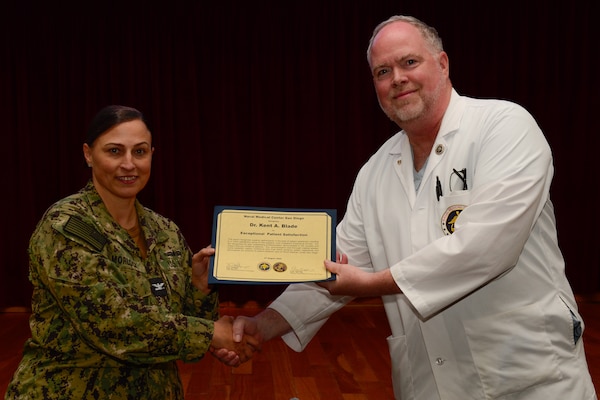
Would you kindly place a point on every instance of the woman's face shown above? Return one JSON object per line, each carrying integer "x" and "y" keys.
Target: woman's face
{"x": 120, "y": 159}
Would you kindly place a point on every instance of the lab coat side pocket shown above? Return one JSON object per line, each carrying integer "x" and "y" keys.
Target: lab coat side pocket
{"x": 512, "y": 351}
{"x": 575, "y": 321}
{"x": 402, "y": 375}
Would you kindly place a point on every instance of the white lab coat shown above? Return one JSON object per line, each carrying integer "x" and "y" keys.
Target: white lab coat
{"x": 486, "y": 310}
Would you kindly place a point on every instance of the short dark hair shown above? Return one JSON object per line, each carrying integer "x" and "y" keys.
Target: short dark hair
{"x": 110, "y": 116}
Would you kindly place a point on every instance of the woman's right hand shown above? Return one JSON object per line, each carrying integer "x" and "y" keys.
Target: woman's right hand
{"x": 228, "y": 351}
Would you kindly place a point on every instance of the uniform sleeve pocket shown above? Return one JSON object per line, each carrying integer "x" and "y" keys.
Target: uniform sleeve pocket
{"x": 512, "y": 351}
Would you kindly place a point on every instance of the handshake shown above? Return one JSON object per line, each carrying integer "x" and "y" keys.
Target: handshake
{"x": 235, "y": 340}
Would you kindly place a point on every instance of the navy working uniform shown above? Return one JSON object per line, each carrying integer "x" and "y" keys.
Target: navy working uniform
{"x": 106, "y": 321}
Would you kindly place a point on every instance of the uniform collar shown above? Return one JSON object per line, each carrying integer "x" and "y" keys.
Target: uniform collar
{"x": 453, "y": 114}
{"x": 152, "y": 231}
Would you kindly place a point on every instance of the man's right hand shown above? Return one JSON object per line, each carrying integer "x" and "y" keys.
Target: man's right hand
{"x": 251, "y": 333}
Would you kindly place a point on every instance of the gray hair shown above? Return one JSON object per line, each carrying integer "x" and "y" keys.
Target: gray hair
{"x": 430, "y": 34}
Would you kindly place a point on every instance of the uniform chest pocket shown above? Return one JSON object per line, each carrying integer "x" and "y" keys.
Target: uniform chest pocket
{"x": 125, "y": 270}
{"x": 173, "y": 266}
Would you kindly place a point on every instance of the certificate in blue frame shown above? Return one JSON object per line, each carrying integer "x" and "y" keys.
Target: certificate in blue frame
{"x": 274, "y": 245}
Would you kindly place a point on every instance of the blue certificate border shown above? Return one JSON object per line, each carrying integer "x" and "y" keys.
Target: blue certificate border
{"x": 218, "y": 209}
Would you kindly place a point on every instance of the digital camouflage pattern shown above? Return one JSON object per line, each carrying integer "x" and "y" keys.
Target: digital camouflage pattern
{"x": 98, "y": 331}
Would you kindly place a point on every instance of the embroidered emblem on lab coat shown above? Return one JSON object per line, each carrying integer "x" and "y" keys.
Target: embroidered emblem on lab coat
{"x": 449, "y": 218}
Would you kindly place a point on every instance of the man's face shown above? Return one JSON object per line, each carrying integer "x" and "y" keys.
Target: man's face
{"x": 408, "y": 76}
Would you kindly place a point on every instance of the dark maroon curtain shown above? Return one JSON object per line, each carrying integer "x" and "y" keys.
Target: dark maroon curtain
{"x": 263, "y": 104}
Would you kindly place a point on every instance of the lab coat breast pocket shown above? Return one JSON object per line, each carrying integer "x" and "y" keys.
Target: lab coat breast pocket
{"x": 450, "y": 207}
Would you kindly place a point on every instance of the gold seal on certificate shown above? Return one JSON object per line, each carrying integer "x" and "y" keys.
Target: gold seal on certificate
{"x": 275, "y": 245}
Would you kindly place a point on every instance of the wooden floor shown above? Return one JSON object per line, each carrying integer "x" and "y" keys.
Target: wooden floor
{"x": 348, "y": 360}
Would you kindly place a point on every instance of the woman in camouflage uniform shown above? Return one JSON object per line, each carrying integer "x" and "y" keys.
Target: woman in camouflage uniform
{"x": 118, "y": 295}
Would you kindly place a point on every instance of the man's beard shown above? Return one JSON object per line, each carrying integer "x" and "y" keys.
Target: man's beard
{"x": 407, "y": 112}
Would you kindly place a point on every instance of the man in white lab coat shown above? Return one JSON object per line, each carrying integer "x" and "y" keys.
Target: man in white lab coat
{"x": 451, "y": 223}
